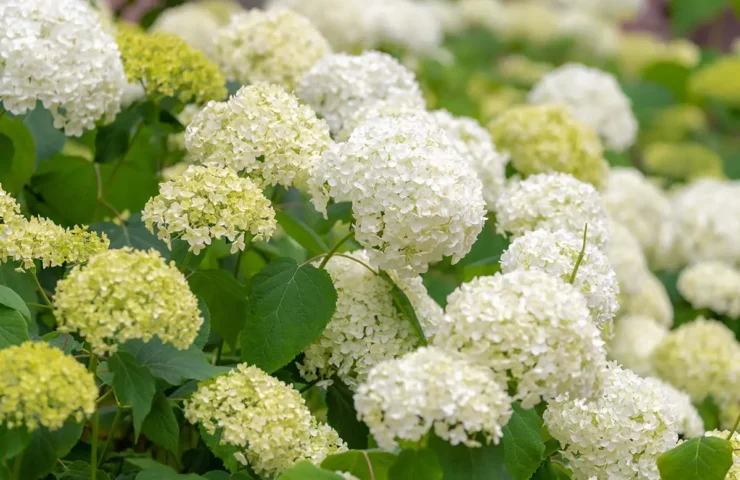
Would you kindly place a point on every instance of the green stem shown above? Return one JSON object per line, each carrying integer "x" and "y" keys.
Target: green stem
{"x": 38, "y": 305}
{"x": 111, "y": 433}
{"x": 580, "y": 255}
{"x": 734, "y": 427}
{"x": 2, "y": 113}
{"x": 16, "y": 475}
{"x": 185, "y": 260}
{"x": 334, "y": 249}
{"x": 95, "y": 425}
{"x": 40, "y": 288}
{"x": 219, "y": 351}
{"x": 238, "y": 262}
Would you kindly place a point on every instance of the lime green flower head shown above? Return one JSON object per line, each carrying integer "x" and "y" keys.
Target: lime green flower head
{"x": 546, "y": 139}
{"x": 682, "y": 161}
{"x": 166, "y": 66}
{"x": 718, "y": 80}
{"x": 41, "y": 386}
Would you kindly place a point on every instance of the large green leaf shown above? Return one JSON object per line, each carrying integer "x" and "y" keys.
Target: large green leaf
{"x": 160, "y": 426}
{"x": 704, "y": 458}
{"x": 417, "y": 464}
{"x": 226, "y": 299}
{"x": 308, "y": 471}
{"x": 673, "y": 76}
{"x": 342, "y": 416}
{"x": 15, "y": 318}
{"x": 523, "y": 443}
{"x": 46, "y": 447}
{"x": 165, "y": 473}
{"x": 363, "y": 464}
{"x": 460, "y": 462}
{"x": 550, "y": 470}
{"x": 12, "y": 441}
{"x": 48, "y": 139}
{"x": 686, "y": 15}
{"x": 225, "y": 452}
{"x": 132, "y": 234}
{"x": 17, "y": 155}
{"x": 289, "y": 306}
{"x": 79, "y": 471}
{"x": 301, "y": 233}
{"x": 170, "y": 364}
{"x": 134, "y": 386}
{"x": 405, "y": 307}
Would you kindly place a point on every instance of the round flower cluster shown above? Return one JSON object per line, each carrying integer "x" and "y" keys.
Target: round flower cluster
{"x": 168, "y": 67}
{"x": 275, "y": 46}
{"x": 639, "y": 49}
{"x": 689, "y": 422}
{"x": 711, "y": 81}
{"x": 475, "y": 145}
{"x": 222, "y": 10}
{"x": 593, "y": 97}
{"x": 191, "y": 22}
{"x": 618, "y": 435}
{"x": 265, "y": 418}
{"x": 634, "y": 340}
{"x": 627, "y": 259}
{"x": 556, "y": 254}
{"x": 391, "y": 19}
{"x": 553, "y": 202}
{"x": 637, "y": 203}
{"x": 546, "y": 139}
{"x": 405, "y": 398}
{"x": 702, "y": 358}
{"x": 80, "y": 80}
{"x": 377, "y": 110}
{"x": 263, "y": 130}
{"x": 530, "y": 328}
{"x": 650, "y": 299}
{"x": 366, "y": 327}
{"x": 10, "y": 214}
{"x": 734, "y": 473}
{"x": 682, "y": 161}
{"x": 590, "y": 36}
{"x": 210, "y": 202}
{"x": 414, "y": 199}
{"x": 40, "y": 386}
{"x": 712, "y": 285}
{"x": 127, "y": 294}
{"x": 339, "y": 85}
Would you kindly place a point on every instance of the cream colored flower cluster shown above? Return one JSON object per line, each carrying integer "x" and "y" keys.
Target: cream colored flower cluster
{"x": 40, "y": 386}
{"x": 530, "y": 328}
{"x": 431, "y": 389}
{"x": 414, "y": 199}
{"x": 595, "y": 98}
{"x": 712, "y": 285}
{"x": 366, "y": 327}
{"x": 191, "y": 22}
{"x": 634, "y": 340}
{"x": 556, "y": 253}
{"x": 79, "y": 79}
{"x": 689, "y": 422}
{"x": 262, "y": 130}
{"x": 620, "y": 434}
{"x": 650, "y": 299}
{"x": 276, "y": 46}
{"x": 553, "y": 202}
{"x": 207, "y": 203}
{"x": 10, "y": 211}
{"x": 265, "y": 418}
{"x": 127, "y": 294}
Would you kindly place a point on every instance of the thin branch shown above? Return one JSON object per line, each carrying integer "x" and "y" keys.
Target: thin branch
{"x": 580, "y": 255}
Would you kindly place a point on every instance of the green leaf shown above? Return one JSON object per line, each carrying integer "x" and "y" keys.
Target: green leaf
{"x": 48, "y": 139}
{"x": 308, "y": 471}
{"x": 552, "y": 471}
{"x": 80, "y": 471}
{"x": 11, "y": 300}
{"x": 165, "y": 473}
{"x": 226, "y": 299}
{"x": 134, "y": 386}
{"x": 221, "y": 475}
{"x": 224, "y": 452}
{"x": 46, "y": 447}
{"x": 710, "y": 413}
{"x": 160, "y": 426}
{"x": 170, "y": 364}
{"x": 686, "y": 15}
{"x": 336, "y": 212}
{"x": 13, "y": 327}
{"x": 63, "y": 341}
{"x": 417, "y": 464}
{"x": 523, "y": 443}
{"x": 405, "y": 307}
{"x": 363, "y": 464}
{"x": 704, "y": 458}
{"x": 17, "y": 155}
{"x": 301, "y": 233}
{"x": 20, "y": 283}
{"x": 133, "y": 234}
{"x": 673, "y": 76}
{"x": 12, "y": 441}
{"x": 290, "y": 305}
{"x": 205, "y": 329}
{"x": 342, "y": 416}
{"x": 460, "y": 462}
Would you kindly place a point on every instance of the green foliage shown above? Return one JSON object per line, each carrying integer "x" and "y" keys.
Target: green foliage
{"x": 421, "y": 465}
{"x": 17, "y": 155}
{"x": 405, "y": 307}
{"x": 226, "y": 299}
{"x": 45, "y": 447}
{"x": 704, "y": 458}
{"x": 160, "y": 425}
{"x": 523, "y": 443}
{"x": 689, "y": 14}
{"x": 460, "y": 462}
{"x": 15, "y": 318}
{"x": 134, "y": 386}
{"x": 363, "y": 464}
{"x": 164, "y": 361}
{"x": 308, "y": 471}
{"x": 342, "y": 416}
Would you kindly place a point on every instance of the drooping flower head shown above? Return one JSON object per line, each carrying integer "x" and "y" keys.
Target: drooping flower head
{"x": 712, "y": 285}
{"x": 553, "y": 202}
{"x": 531, "y": 329}
{"x": 633, "y": 342}
{"x": 593, "y": 97}
{"x": 40, "y": 386}
{"x": 431, "y": 389}
{"x": 265, "y": 418}
{"x": 262, "y": 130}
{"x": 210, "y": 202}
{"x": 548, "y": 139}
{"x": 79, "y": 79}
{"x": 192, "y": 22}
{"x": 127, "y": 294}
{"x": 414, "y": 199}
{"x": 276, "y": 46}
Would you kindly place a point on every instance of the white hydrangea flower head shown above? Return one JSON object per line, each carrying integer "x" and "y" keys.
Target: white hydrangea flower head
{"x": 650, "y": 299}
{"x": 366, "y": 327}
{"x": 556, "y": 254}
{"x": 267, "y": 419}
{"x": 262, "y": 130}
{"x": 627, "y": 258}
{"x": 712, "y": 285}
{"x": 391, "y": 20}
{"x": 638, "y": 204}
{"x": 404, "y": 398}
{"x": 339, "y": 85}
{"x": 378, "y": 110}
{"x": 634, "y": 339}
{"x": 475, "y": 145}
{"x": 702, "y": 358}
{"x": 555, "y": 201}
{"x": 127, "y": 294}
{"x": 274, "y": 46}
{"x": 530, "y": 328}
{"x": 207, "y": 203}
{"x": 592, "y": 35}
{"x": 690, "y": 424}
{"x": 620, "y": 434}
{"x": 414, "y": 199}
{"x": 79, "y": 79}
{"x": 734, "y": 473}
{"x": 191, "y": 22}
